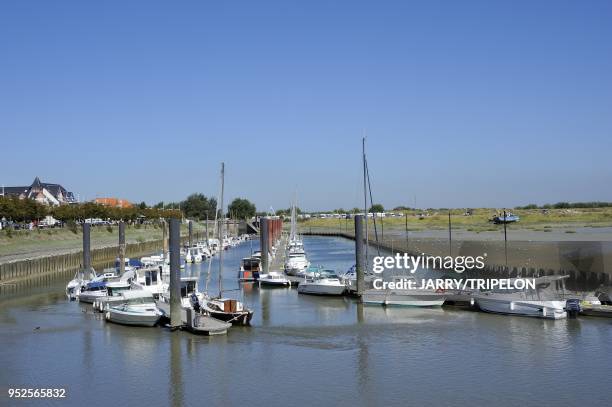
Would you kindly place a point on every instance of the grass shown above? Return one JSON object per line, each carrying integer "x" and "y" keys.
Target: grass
{"x": 28, "y": 243}
{"x": 534, "y": 219}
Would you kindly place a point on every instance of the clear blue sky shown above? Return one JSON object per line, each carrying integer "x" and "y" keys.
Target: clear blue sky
{"x": 465, "y": 104}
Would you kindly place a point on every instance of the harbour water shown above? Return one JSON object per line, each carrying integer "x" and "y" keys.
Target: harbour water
{"x": 302, "y": 350}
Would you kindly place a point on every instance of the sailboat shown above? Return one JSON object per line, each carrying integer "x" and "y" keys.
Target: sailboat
{"x": 225, "y": 309}
{"x": 413, "y": 298}
{"x": 78, "y": 283}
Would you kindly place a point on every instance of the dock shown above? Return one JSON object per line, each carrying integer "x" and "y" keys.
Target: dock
{"x": 596, "y": 310}
{"x": 278, "y": 262}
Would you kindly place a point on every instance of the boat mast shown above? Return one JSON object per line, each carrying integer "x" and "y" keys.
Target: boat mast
{"x": 221, "y": 230}
{"x": 365, "y": 198}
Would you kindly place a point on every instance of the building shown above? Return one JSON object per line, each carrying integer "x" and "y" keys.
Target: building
{"x": 115, "y": 202}
{"x": 43, "y": 192}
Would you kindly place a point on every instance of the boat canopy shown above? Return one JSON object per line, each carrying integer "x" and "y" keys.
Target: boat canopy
{"x": 96, "y": 284}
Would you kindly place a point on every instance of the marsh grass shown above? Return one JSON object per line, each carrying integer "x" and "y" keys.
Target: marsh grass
{"x": 534, "y": 219}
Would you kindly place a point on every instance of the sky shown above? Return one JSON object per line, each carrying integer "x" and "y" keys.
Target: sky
{"x": 463, "y": 104}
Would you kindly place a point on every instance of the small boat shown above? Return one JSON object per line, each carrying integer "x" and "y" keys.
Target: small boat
{"x": 102, "y": 289}
{"x": 204, "y": 324}
{"x": 131, "y": 297}
{"x": 323, "y": 282}
{"x": 249, "y": 269}
{"x": 73, "y": 288}
{"x": 134, "y": 314}
{"x": 509, "y": 218}
{"x": 296, "y": 262}
{"x": 78, "y": 283}
{"x": 404, "y": 297}
{"x": 228, "y": 310}
{"x": 596, "y": 310}
{"x": 193, "y": 255}
{"x": 275, "y": 279}
{"x": 541, "y": 302}
{"x": 150, "y": 279}
{"x": 203, "y": 249}
{"x": 92, "y": 290}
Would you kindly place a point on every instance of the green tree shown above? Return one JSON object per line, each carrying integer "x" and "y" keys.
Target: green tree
{"x": 198, "y": 206}
{"x": 376, "y": 208}
{"x": 242, "y": 208}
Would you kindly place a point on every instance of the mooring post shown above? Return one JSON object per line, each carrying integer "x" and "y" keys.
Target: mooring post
{"x": 175, "y": 273}
{"x": 505, "y": 239}
{"x": 190, "y": 233}
{"x": 264, "y": 244}
{"x": 121, "y": 247}
{"x": 450, "y": 235}
{"x": 164, "y": 240}
{"x": 87, "y": 250}
{"x": 360, "y": 259}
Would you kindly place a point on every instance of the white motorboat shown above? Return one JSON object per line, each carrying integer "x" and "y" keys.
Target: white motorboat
{"x": 404, "y": 297}
{"x": 193, "y": 255}
{"x": 150, "y": 280}
{"x": 102, "y": 289}
{"x": 155, "y": 260}
{"x": 134, "y": 314}
{"x": 132, "y": 297}
{"x": 323, "y": 282}
{"x": 543, "y": 302}
{"x": 203, "y": 250}
{"x": 296, "y": 262}
{"x": 274, "y": 278}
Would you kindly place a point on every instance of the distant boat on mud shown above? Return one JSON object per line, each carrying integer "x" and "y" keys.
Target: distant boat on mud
{"x": 507, "y": 218}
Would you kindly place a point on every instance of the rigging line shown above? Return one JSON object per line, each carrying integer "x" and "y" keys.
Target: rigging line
{"x": 372, "y": 204}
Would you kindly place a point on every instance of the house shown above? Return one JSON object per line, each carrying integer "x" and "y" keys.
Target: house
{"x": 43, "y": 192}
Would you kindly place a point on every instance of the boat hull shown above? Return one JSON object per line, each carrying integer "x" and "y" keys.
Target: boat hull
{"x": 321, "y": 289}
{"x": 538, "y": 309}
{"x": 408, "y": 299}
{"x": 132, "y": 319}
{"x": 89, "y": 298}
{"x": 237, "y": 318}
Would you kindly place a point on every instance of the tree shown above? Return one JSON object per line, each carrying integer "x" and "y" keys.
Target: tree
{"x": 376, "y": 208}
{"x": 198, "y": 206}
{"x": 242, "y": 208}
{"x": 142, "y": 205}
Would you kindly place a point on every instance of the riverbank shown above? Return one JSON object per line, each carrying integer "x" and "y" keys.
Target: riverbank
{"x": 31, "y": 244}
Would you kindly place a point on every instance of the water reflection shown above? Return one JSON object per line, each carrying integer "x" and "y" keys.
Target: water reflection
{"x": 175, "y": 389}
{"x": 328, "y": 351}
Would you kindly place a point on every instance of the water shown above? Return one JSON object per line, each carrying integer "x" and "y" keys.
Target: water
{"x": 302, "y": 350}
